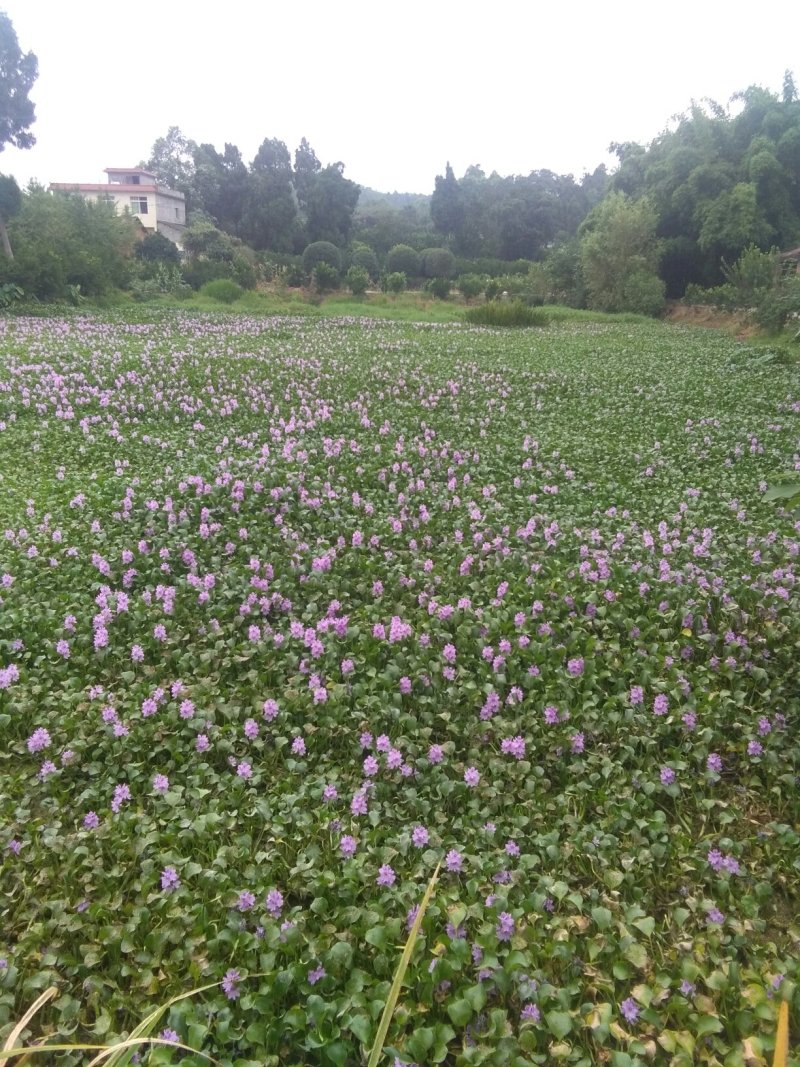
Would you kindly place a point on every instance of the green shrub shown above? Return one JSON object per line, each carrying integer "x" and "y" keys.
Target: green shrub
{"x": 322, "y": 252}
{"x": 471, "y": 285}
{"x": 403, "y": 259}
{"x": 325, "y": 277}
{"x": 361, "y": 255}
{"x": 439, "y": 287}
{"x": 357, "y": 279}
{"x": 505, "y": 313}
{"x": 196, "y": 272}
{"x": 437, "y": 262}
{"x": 644, "y": 293}
{"x": 395, "y": 282}
{"x": 225, "y": 290}
{"x": 780, "y": 306}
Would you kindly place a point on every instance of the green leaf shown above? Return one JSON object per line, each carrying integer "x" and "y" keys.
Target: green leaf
{"x": 637, "y": 955}
{"x": 559, "y": 1023}
{"x": 646, "y": 925}
{"x": 361, "y": 1026}
{"x": 476, "y": 996}
{"x": 421, "y": 1042}
{"x": 707, "y": 1024}
{"x": 460, "y": 1012}
{"x": 602, "y": 917}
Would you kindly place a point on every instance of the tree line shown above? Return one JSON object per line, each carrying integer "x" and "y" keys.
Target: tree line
{"x": 692, "y": 211}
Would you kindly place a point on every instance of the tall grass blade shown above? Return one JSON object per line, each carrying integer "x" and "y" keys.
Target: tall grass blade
{"x": 26, "y": 1018}
{"x": 400, "y": 973}
{"x": 123, "y": 1052}
{"x": 104, "y": 1052}
{"x": 782, "y": 1036}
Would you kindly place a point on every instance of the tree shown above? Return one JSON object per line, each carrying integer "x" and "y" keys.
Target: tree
{"x": 10, "y": 204}
{"x": 18, "y": 72}
{"x": 321, "y": 252}
{"x": 330, "y": 203}
{"x": 172, "y": 161}
{"x": 306, "y": 168}
{"x": 620, "y": 256}
{"x": 219, "y": 184}
{"x": 402, "y": 259}
{"x": 437, "y": 262}
{"x": 65, "y": 243}
{"x": 447, "y": 204}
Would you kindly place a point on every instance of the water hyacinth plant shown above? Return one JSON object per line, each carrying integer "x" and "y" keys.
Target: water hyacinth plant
{"x": 295, "y": 611}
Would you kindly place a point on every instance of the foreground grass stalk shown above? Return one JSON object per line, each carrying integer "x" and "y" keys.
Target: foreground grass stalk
{"x": 400, "y": 973}
{"x": 782, "y": 1037}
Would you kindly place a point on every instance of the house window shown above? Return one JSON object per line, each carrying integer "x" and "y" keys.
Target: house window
{"x": 139, "y": 205}
{"x": 177, "y": 213}
{"x": 106, "y": 198}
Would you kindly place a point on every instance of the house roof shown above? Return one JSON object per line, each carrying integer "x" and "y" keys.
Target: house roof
{"x": 102, "y": 187}
{"x": 793, "y": 253}
{"x": 130, "y": 170}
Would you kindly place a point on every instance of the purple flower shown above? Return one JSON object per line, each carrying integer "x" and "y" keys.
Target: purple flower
{"x": 230, "y": 984}
{"x": 38, "y": 740}
{"x": 577, "y": 742}
{"x": 513, "y": 746}
{"x": 575, "y": 667}
{"x": 170, "y": 880}
{"x": 454, "y": 861}
{"x": 121, "y": 794}
{"x": 660, "y": 704}
{"x": 91, "y": 820}
{"x": 244, "y": 770}
{"x": 505, "y": 926}
{"x": 330, "y": 792}
{"x": 636, "y": 695}
{"x": 316, "y": 975}
{"x": 270, "y": 710}
{"x": 169, "y": 1035}
{"x": 348, "y": 845}
{"x": 160, "y": 783}
{"x": 530, "y": 1013}
{"x": 714, "y": 763}
{"x": 715, "y": 917}
{"x": 667, "y": 776}
{"x": 435, "y": 754}
{"x": 687, "y": 988}
{"x": 419, "y": 837}
{"x": 754, "y": 748}
{"x": 471, "y": 777}
{"x": 274, "y": 903}
{"x": 386, "y": 876}
{"x": 246, "y": 900}
{"x": 630, "y": 1010}
{"x": 202, "y": 744}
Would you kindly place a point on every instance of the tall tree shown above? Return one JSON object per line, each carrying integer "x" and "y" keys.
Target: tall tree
{"x": 306, "y": 168}
{"x": 447, "y": 204}
{"x": 219, "y": 184}
{"x": 18, "y": 72}
{"x": 172, "y": 161}
{"x": 331, "y": 202}
{"x": 269, "y": 219}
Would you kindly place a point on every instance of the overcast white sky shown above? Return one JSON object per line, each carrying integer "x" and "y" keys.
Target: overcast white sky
{"x": 393, "y": 90}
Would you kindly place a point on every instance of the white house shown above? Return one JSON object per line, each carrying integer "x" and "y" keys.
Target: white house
{"x": 157, "y": 208}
